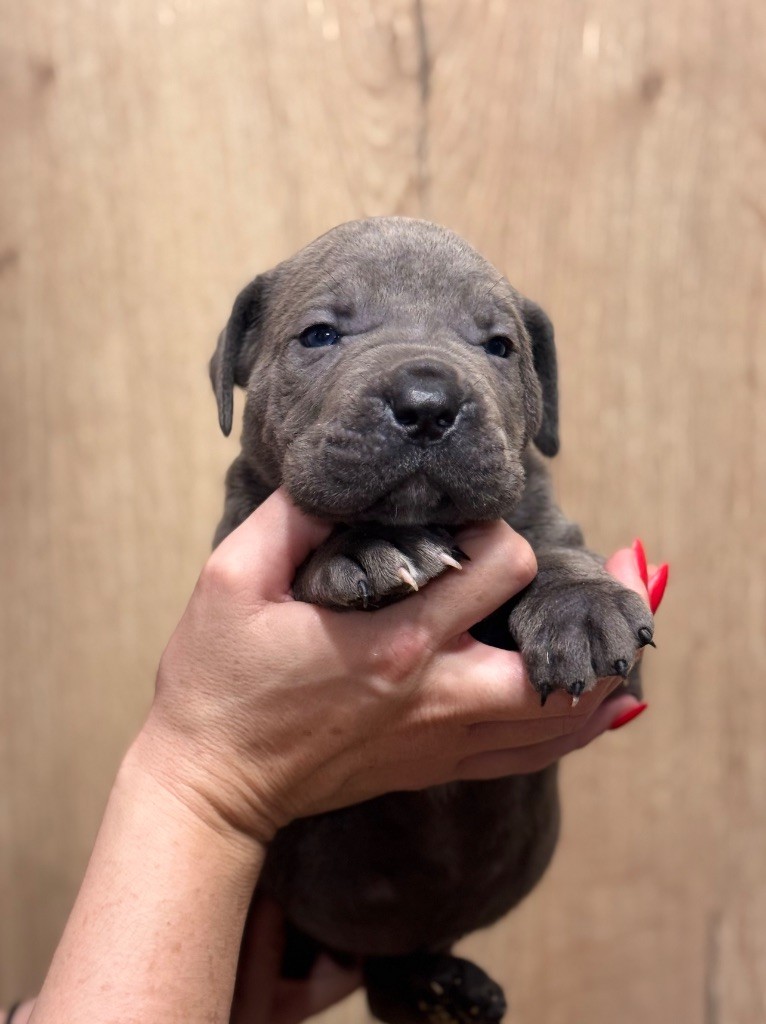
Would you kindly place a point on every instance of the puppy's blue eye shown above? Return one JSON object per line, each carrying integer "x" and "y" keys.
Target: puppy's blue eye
{"x": 498, "y": 346}
{"x": 318, "y": 336}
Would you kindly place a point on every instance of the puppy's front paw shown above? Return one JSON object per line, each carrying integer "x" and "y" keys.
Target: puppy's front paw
{"x": 364, "y": 567}
{"x": 572, "y": 632}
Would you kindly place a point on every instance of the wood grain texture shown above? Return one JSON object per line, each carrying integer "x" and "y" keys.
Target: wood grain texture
{"x": 611, "y": 158}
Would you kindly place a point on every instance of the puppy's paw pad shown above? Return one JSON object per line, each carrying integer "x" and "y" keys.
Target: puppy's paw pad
{"x": 462, "y": 995}
{"x": 434, "y": 989}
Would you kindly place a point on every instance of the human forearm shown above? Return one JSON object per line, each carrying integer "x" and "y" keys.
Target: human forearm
{"x": 155, "y": 930}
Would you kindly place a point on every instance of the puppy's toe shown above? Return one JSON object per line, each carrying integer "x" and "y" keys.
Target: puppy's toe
{"x": 334, "y": 581}
{"x": 387, "y": 569}
{"x": 559, "y": 658}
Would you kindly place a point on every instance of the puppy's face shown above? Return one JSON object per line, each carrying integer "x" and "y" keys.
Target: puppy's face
{"x": 390, "y": 376}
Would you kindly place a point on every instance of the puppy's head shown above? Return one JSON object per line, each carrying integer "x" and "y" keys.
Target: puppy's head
{"x": 392, "y": 374}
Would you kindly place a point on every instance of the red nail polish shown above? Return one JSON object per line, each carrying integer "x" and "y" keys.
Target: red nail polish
{"x": 656, "y": 586}
{"x": 640, "y": 555}
{"x": 628, "y": 716}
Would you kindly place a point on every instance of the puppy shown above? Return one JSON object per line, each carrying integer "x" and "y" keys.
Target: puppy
{"x": 398, "y": 386}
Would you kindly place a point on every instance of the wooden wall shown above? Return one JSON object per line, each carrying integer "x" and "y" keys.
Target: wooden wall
{"x": 611, "y": 158}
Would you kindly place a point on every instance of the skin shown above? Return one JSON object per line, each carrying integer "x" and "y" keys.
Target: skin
{"x": 231, "y": 750}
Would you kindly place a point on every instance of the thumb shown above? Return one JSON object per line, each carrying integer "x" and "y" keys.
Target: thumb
{"x": 266, "y": 550}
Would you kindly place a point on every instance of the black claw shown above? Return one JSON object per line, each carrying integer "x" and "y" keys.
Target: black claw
{"x": 621, "y": 668}
{"x": 576, "y": 689}
{"x": 545, "y": 691}
{"x": 645, "y": 636}
{"x": 364, "y": 592}
{"x": 458, "y": 553}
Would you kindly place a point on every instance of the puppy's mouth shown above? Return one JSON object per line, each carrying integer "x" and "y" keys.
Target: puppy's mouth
{"x": 418, "y": 495}
{"x": 415, "y": 500}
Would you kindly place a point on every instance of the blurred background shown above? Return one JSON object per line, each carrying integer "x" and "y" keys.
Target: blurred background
{"x": 610, "y": 157}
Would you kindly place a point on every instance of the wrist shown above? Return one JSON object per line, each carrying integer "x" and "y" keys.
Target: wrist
{"x": 210, "y": 784}
{"x": 162, "y": 774}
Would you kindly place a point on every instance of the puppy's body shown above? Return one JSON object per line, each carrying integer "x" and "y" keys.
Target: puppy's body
{"x": 415, "y": 871}
{"x": 399, "y": 386}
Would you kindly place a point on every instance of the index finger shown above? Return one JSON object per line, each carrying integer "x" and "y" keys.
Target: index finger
{"x": 500, "y": 564}
{"x": 267, "y": 548}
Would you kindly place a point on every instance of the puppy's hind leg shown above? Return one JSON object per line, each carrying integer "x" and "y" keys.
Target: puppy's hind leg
{"x": 431, "y": 988}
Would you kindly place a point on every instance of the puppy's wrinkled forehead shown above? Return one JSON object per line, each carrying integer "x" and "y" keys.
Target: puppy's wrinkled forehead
{"x": 365, "y": 271}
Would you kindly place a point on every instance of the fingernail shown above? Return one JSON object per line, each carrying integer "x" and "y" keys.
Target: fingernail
{"x": 628, "y": 716}
{"x": 656, "y": 586}
{"x": 640, "y": 555}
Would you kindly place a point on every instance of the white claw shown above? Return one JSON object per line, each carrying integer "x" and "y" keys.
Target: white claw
{"x": 449, "y": 560}
{"x": 575, "y": 701}
{"x": 406, "y": 577}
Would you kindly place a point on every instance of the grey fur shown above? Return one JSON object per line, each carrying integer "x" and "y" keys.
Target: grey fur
{"x": 399, "y": 433}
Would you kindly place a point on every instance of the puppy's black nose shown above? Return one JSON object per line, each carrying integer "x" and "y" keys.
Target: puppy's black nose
{"x": 425, "y": 399}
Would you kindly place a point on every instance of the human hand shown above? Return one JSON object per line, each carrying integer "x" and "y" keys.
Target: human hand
{"x": 262, "y": 996}
{"x": 269, "y": 709}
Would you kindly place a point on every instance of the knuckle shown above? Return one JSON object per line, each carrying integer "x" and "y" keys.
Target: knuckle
{"x": 220, "y": 574}
{"x": 404, "y": 654}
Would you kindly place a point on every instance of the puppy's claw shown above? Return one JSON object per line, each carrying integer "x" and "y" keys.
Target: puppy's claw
{"x": 449, "y": 560}
{"x": 406, "y": 577}
{"x": 576, "y": 690}
{"x": 545, "y": 691}
{"x": 621, "y": 668}
{"x": 459, "y": 553}
{"x": 645, "y": 636}
{"x": 364, "y": 592}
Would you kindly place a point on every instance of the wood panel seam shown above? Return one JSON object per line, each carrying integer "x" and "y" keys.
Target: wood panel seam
{"x": 424, "y": 81}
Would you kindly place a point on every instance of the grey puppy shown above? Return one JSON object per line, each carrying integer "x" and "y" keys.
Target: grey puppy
{"x": 400, "y": 387}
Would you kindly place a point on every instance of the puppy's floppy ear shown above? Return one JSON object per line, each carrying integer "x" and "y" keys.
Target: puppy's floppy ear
{"x": 540, "y": 331}
{"x": 235, "y": 352}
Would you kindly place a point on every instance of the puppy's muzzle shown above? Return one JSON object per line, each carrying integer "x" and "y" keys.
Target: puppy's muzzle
{"x": 425, "y": 399}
